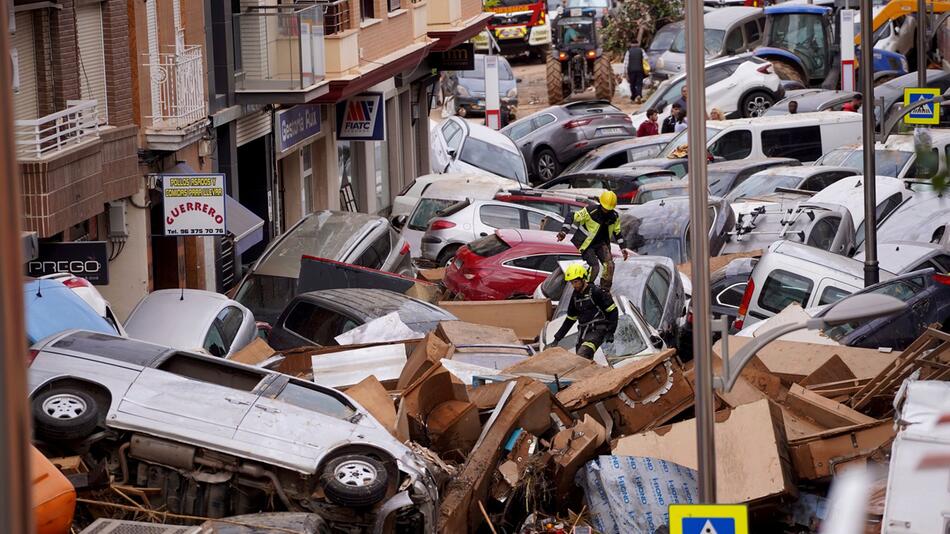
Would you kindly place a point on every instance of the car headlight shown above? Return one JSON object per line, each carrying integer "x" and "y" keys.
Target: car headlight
{"x": 461, "y": 90}
{"x": 512, "y": 93}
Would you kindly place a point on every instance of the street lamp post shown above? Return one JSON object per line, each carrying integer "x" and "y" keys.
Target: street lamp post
{"x": 871, "y": 274}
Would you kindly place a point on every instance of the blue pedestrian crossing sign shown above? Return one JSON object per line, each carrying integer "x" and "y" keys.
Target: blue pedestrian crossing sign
{"x": 709, "y": 519}
{"x": 925, "y": 114}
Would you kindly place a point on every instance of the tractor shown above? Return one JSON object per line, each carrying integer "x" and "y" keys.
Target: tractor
{"x": 577, "y": 60}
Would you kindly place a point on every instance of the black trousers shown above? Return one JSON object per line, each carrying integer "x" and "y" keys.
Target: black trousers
{"x": 591, "y": 337}
{"x": 594, "y": 255}
{"x": 636, "y": 83}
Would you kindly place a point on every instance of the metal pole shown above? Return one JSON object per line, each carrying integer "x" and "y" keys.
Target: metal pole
{"x": 699, "y": 250}
{"x": 15, "y": 507}
{"x": 921, "y": 43}
{"x": 871, "y": 275}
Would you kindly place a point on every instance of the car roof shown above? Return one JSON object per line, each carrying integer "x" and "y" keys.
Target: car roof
{"x": 184, "y": 316}
{"x": 532, "y": 237}
{"x": 817, "y": 256}
{"x": 801, "y": 171}
{"x": 544, "y": 196}
{"x": 789, "y": 120}
{"x": 847, "y": 193}
{"x": 672, "y": 184}
{"x": 905, "y": 142}
{"x": 371, "y": 304}
{"x": 109, "y": 346}
{"x": 460, "y": 190}
{"x": 624, "y": 144}
{"x": 620, "y": 173}
{"x": 797, "y": 8}
{"x": 492, "y": 137}
{"x": 631, "y": 275}
{"x": 741, "y": 164}
{"x": 50, "y": 308}
{"x": 725, "y": 17}
{"x": 896, "y": 256}
{"x": 897, "y": 85}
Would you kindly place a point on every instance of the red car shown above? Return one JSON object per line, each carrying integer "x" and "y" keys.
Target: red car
{"x": 507, "y": 264}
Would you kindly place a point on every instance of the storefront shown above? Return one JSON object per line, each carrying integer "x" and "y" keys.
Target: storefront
{"x": 300, "y": 144}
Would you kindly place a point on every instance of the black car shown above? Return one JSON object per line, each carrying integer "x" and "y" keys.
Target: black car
{"x": 623, "y": 182}
{"x": 724, "y": 176}
{"x": 619, "y": 153}
{"x": 927, "y": 295}
{"x": 317, "y": 317}
{"x": 727, "y": 286}
{"x": 662, "y": 227}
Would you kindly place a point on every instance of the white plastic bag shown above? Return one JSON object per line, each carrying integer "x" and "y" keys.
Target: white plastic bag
{"x": 623, "y": 90}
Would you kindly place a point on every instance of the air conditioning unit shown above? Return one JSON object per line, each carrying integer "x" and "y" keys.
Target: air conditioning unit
{"x": 117, "y": 526}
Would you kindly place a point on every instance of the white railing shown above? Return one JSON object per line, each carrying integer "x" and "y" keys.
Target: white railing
{"x": 178, "y": 79}
{"x": 45, "y": 136}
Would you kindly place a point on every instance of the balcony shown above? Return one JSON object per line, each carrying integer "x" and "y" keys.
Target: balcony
{"x": 45, "y": 137}
{"x": 179, "y": 106}
{"x": 452, "y": 22}
{"x": 279, "y": 54}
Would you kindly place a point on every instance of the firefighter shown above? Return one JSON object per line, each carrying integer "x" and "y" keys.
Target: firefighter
{"x": 593, "y": 308}
{"x": 596, "y": 224}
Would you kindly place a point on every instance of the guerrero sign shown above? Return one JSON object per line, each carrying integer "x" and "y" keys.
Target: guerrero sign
{"x": 361, "y": 118}
{"x": 194, "y": 204}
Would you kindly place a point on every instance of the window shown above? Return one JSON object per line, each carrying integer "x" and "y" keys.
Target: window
{"x": 782, "y": 288}
{"x": 823, "y": 233}
{"x": 832, "y": 294}
{"x": 520, "y": 129}
{"x": 214, "y": 342}
{"x": 24, "y": 75}
{"x": 212, "y": 372}
{"x": 394, "y": 5}
{"x": 452, "y": 133}
{"x": 367, "y": 9}
{"x": 654, "y": 297}
{"x": 752, "y": 32}
{"x": 315, "y": 324}
{"x": 231, "y": 319}
{"x": 92, "y": 66}
{"x": 375, "y": 254}
{"x": 528, "y": 262}
{"x": 679, "y": 169}
{"x": 614, "y": 161}
{"x": 112, "y": 347}
{"x": 941, "y": 263}
{"x": 716, "y": 75}
{"x": 307, "y": 396}
{"x": 543, "y": 120}
{"x": 500, "y": 216}
{"x": 883, "y": 210}
{"x": 902, "y": 290}
{"x": 803, "y": 143}
{"x": 488, "y": 246}
{"x": 820, "y": 181}
{"x": 732, "y": 295}
{"x": 545, "y": 262}
{"x": 734, "y": 41}
{"x": 537, "y": 221}
{"x": 646, "y": 152}
{"x": 736, "y": 144}
{"x": 494, "y": 159}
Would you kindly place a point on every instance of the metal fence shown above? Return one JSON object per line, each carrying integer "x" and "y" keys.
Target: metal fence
{"x": 180, "y": 84}
{"x": 45, "y": 136}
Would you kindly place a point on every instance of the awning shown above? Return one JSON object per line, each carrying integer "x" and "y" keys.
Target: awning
{"x": 244, "y": 224}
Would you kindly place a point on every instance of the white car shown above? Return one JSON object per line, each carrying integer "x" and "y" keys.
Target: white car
{"x": 739, "y": 86}
{"x": 407, "y": 199}
{"x": 88, "y": 292}
{"x": 459, "y": 146}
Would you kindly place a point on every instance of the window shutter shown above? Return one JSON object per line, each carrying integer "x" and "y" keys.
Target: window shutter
{"x": 92, "y": 72}
{"x": 24, "y": 100}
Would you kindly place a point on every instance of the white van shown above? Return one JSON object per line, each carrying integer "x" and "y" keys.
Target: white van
{"x": 804, "y": 136}
{"x": 436, "y": 197}
{"x": 896, "y": 157}
{"x": 790, "y": 273}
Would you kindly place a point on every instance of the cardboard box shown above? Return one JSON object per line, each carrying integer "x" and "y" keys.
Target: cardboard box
{"x": 422, "y": 357}
{"x": 463, "y": 333}
{"x": 609, "y": 382}
{"x": 254, "y": 353}
{"x": 432, "y": 275}
{"x": 526, "y": 317}
{"x": 299, "y": 361}
{"x": 572, "y": 448}
{"x": 752, "y": 461}
{"x": 818, "y": 456}
{"x": 453, "y": 428}
{"x": 371, "y": 395}
{"x": 718, "y": 262}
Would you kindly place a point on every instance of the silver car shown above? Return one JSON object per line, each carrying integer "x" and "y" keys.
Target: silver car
{"x": 193, "y": 319}
{"x": 218, "y": 438}
{"x": 727, "y": 31}
{"x": 466, "y": 221}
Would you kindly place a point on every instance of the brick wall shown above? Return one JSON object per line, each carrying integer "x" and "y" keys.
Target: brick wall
{"x": 120, "y": 158}
{"x": 44, "y": 71}
{"x": 64, "y": 191}
{"x": 63, "y": 55}
{"x": 387, "y": 36}
{"x": 115, "y": 36}
{"x": 470, "y": 8}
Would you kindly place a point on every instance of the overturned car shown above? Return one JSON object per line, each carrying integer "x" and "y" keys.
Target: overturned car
{"x": 218, "y": 438}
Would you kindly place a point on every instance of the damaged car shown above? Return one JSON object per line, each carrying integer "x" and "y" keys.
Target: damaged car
{"x": 214, "y": 438}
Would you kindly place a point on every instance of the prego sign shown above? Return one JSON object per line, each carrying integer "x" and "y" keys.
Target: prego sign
{"x": 87, "y": 259}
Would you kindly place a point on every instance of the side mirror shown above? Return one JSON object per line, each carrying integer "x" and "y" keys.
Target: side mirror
{"x": 452, "y": 153}
{"x": 399, "y": 221}
{"x": 656, "y": 341}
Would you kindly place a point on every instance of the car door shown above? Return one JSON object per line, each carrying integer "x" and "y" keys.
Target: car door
{"x": 718, "y": 86}
{"x": 497, "y": 216}
{"x": 539, "y": 134}
{"x": 535, "y": 219}
{"x": 449, "y": 137}
{"x": 200, "y": 398}
{"x": 224, "y": 330}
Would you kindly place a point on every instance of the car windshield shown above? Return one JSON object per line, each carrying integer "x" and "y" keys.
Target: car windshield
{"x": 680, "y": 141}
{"x": 267, "y": 295}
{"x": 903, "y": 290}
{"x": 324, "y": 235}
{"x": 576, "y": 30}
{"x": 656, "y": 194}
{"x": 887, "y": 162}
{"x": 712, "y": 42}
{"x": 668, "y": 247}
{"x": 762, "y": 184}
{"x": 425, "y": 211}
{"x": 585, "y": 3}
{"x": 664, "y": 38}
{"x": 493, "y": 159}
{"x": 478, "y": 73}
{"x": 584, "y": 162}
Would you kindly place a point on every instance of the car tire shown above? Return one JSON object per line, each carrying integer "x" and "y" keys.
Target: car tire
{"x": 546, "y": 165}
{"x": 65, "y": 414}
{"x": 447, "y": 254}
{"x": 756, "y": 103}
{"x": 355, "y": 480}
{"x": 555, "y": 80}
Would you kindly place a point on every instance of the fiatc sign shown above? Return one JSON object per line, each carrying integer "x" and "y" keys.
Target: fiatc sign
{"x": 361, "y": 118}
{"x": 86, "y": 259}
{"x": 194, "y": 204}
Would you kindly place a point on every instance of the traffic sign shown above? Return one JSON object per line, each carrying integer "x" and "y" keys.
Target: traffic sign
{"x": 925, "y": 114}
{"x": 709, "y": 519}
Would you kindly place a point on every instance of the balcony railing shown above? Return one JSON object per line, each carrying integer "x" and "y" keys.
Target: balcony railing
{"x": 279, "y": 48}
{"x": 336, "y": 16}
{"x": 178, "y": 80}
{"x": 45, "y": 136}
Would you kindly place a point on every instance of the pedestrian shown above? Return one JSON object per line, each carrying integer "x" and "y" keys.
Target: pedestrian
{"x": 596, "y": 225}
{"x": 716, "y": 115}
{"x": 669, "y": 123}
{"x": 633, "y": 62}
{"x": 450, "y": 83}
{"x": 854, "y": 105}
{"x": 681, "y": 122}
{"x": 792, "y": 107}
{"x": 593, "y": 308}
{"x": 682, "y": 98}
{"x": 649, "y": 126}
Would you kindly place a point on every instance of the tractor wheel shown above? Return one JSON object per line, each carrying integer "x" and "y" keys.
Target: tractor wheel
{"x": 555, "y": 77}
{"x": 787, "y": 71}
{"x": 603, "y": 79}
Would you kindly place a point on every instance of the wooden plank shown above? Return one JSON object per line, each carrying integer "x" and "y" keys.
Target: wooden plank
{"x": 926, "y": 347}
{"x": 832, "y": 370}
{"x": 825, "y": 412}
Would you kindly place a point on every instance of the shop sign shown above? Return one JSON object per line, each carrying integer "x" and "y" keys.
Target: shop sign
{"x": 462, "y": 57}
{"x": 86, "y": 259}
{"x": 194, "y": 204}
{"x": 361, "y": 118}
{"x": 295, "y": 125}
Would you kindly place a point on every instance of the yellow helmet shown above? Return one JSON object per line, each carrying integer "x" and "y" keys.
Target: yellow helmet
{"x": 608, "y": 199}
{"x": 575, "y": 271}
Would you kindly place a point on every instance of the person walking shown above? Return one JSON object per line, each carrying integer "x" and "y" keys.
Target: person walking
{"x": 649, "y": 126}
{"x": 669, "y": 123}
{"x": 633, "y": 66}
{"x": 593, "y": 309}
{"x": 596, "y": 225}
{"x": 449, "y": 82}
{"x": 682, "y": 99}
{"x": 681, "y": 122}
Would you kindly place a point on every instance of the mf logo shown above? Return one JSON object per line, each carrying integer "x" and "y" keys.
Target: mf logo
{"x": 360, "y": 117}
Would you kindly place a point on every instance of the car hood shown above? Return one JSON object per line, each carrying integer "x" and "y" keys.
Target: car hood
{"x": 476, "y": 86}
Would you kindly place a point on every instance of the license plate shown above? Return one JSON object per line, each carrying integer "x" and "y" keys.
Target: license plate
{"x": 604, "y": 132}
{"x": 576, "y": 12}
{"x": 510, "y": 33}
{"x": 481, "y": 103}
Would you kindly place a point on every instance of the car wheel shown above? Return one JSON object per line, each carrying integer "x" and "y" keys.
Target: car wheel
{"x": 447, "y": 254}
{"x": 355, "y": 480}
{"x": 65, "y": 414}
{"x": 546, "y": 166}
{"x": 755, "y": 104}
